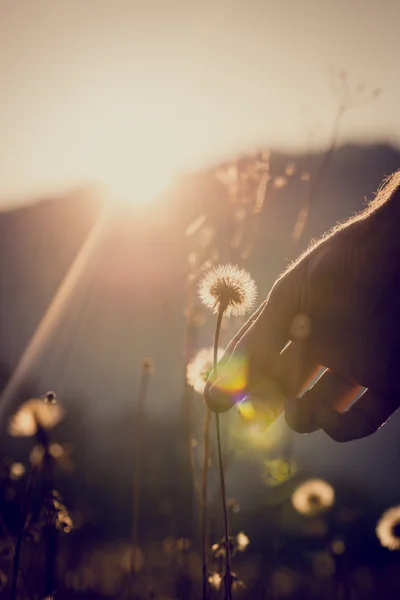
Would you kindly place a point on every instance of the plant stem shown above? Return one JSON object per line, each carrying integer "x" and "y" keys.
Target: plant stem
{"x": 24, "y": 514}
{"x": 204, "y": 490}
{"x": 227, "y": 577}
{"x": 138, "y": 439}
{"x": 50, "y": 531}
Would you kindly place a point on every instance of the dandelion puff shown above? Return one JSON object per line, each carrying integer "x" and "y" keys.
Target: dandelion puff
{"x": 199, "y": 369}
{"x": 229, "y": 288}
{"x": 313, "y": 496}
{"x": 34, "y": 413}
{"x": 388, "y": 528}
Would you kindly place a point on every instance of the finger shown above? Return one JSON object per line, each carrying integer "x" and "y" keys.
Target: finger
{"x": 227, "y": 403}
{"x": 365, "y": 417}
{"x": 296, "y": 369}
{"x": 255, "y": 350}
{"x": 242, "y": 331}
{"x": 268, "y": 335}
{"x": 330, "y": 391}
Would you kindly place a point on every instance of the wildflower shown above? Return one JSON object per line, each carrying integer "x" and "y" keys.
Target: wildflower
{"x": 199, "y": 369}
{"x": 34, "y": 413}
{"x": 388, "y": 528}
{"x": 229, "y": 289}
{"x": 237, "y": 543}
{"x": 313, "y": 496}
{"x": 57, "y": 512}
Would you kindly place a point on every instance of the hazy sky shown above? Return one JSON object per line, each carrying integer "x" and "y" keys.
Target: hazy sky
{"x": 112, "y": 90}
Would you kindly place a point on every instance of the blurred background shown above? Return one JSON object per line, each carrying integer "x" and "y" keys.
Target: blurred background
{"x": 141, "y": 143}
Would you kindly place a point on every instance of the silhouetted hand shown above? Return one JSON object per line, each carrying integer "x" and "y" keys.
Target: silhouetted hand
{"x": 337, "y": 307}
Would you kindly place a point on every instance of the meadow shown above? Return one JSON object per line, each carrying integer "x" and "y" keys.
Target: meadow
{"x": 141, "y": 516}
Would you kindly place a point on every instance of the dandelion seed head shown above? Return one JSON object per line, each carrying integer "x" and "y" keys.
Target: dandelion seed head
{"x": 229, "y": 287}
{"x": 313, "y": 496}
{"x": 50, "y": 397}
{"x": 199, "y": 369}
{"x": 388, "y": 528}
{"x": 33, "y": 413}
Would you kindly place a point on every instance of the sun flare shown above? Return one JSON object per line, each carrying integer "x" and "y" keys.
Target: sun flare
{"x": 138, "y": 183}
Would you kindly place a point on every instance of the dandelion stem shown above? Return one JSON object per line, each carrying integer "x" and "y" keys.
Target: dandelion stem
{"x": 50, "y": 531}
{"x": 18, "y": 545}
{"x": 138, "y": 442}
{"x": 227, "y": 578}
{"x": 204, "y": 491}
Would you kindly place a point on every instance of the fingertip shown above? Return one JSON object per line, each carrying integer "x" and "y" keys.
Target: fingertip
{"x": 217, "y": 400}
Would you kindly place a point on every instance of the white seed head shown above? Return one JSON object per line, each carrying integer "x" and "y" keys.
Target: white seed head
{"x": 388, "y": 528}
{"x": 230, "y": 288}
{"x": 313, "y": 496}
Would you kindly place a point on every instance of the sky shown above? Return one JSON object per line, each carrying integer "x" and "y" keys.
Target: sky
{"x": 124, "y": 92}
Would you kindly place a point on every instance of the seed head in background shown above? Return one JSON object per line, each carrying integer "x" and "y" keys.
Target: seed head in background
{"x": 34, "y": 413}
{"x": 388, "y": 528}
{"x": 313, "y": 497}
{"x": 148, "y": 365}
{"x": 200, "y": 367}
{"x": 229, "y": 288}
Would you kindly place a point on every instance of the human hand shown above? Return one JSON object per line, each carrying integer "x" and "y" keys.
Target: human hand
{"x": 338, "y": 306}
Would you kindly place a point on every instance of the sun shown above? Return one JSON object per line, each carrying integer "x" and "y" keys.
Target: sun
{"x": 137, "y": 186}
{"x": 134, "y": 178}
